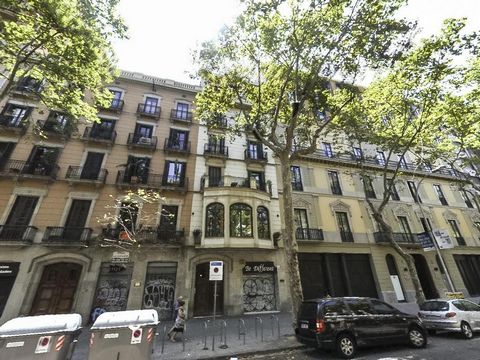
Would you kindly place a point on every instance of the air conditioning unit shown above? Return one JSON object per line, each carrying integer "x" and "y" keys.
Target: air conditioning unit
{"x": 145, "y": 140}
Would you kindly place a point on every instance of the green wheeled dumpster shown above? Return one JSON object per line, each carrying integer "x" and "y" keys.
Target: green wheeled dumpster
{"x": 123, "y": 335}
{"x": 42, "y": 337}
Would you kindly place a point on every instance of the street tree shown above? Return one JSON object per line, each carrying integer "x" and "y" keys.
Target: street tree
{"x": 129, "y": 221}
{"x": 273, "y": 66}
{"x": 414, "y": 109}
{"x": 63, "y": 44}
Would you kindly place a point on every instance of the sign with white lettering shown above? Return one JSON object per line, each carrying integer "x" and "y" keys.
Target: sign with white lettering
{"x": 442, "y": 238}
{"x": 8, "y": 269}
{"x": 120, "y": 257}
{"x": 259, "y": 267}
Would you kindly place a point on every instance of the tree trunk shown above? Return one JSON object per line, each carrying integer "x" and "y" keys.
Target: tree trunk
{"x": 387, "y": 229}
{"x": 289, "y": 240}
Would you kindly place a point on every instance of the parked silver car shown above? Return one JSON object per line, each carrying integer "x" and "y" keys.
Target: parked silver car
{"x": 451, "y": 315}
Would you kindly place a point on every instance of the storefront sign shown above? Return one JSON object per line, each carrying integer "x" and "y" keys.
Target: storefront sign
{"x": 115, "y": 268}
{"x": 259, "y": 267}
{"x": 119, "y": 257}
{"x": 426, "y": 241}
{"x": 443, "y": 239}
{"x": 8, "y": 269}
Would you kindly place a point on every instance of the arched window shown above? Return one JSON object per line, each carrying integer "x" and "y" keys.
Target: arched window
{"x": 263, "y": 223}
{"x": 240, "y": 220}
{"x": 215, "y": 219}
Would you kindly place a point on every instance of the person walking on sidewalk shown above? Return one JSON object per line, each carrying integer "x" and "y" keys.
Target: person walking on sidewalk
{"x": 179, "y": 322}
{"x": 176, "y": 306}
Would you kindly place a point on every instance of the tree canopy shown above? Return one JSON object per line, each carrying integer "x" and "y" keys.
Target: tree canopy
{"x": 65, "y": 44}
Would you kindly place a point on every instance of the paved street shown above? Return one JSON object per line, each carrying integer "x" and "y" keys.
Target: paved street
{"x": 440, "y": 347}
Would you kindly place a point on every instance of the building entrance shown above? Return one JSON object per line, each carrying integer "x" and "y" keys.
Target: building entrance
{"x": 425, "y": 277}
{"x": 204, "y": 291}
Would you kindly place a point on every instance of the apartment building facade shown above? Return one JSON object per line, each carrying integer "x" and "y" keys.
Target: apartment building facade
{"x": 341, "y": 250}
{"x": 54, "y": 188}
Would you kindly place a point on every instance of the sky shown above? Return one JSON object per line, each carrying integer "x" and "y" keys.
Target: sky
{"x": 164, "y": 33}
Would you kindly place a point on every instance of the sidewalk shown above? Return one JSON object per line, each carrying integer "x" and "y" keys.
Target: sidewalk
{"x": 195, "y": 331}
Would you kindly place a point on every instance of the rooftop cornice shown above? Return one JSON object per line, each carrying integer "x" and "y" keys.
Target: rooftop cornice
{"x": 149, "y": 79}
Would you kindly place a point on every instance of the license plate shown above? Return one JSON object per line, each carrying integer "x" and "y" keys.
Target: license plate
{"x": 304, "y": 326}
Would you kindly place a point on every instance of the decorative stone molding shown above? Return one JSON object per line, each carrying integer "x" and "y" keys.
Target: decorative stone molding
{"x": 339, "y": 205}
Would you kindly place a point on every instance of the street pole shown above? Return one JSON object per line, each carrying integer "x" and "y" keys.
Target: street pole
{"x": 214, "y": 313}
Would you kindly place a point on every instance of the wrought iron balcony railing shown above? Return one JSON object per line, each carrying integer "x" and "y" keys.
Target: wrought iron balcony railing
{"x": 36, "y": 169}
{"x": 100, "y": 135}
{"x": 182, "y": 116}
{"x": 19, "y": 233}
{"x": 149, "y": 235}
{"x": 256, "y": 155}
{"x": 137, "y": 140}
{"x": 54, "y": 128}
{"x": 115, "y": 105}
{"x": 149, "y": 110}
{"x": 67, "y": 235}
{"x": 398, "y": 237}
{"x": 173, "y": 145}
{"x": 82, "y": 174}
{"x": 147, "y": 179}
{"x": 309, "y": 234}
{"x": 235, "y": 182}
{"x": 216, "y": 150}
{"x": 13, "y": 123}
{"x": 174, "y": 182}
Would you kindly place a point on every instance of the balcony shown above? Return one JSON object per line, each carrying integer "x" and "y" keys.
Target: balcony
{"x": 329, "y": 156}
{"x": 230, "y": 182}
{"x": 28, "y": 87}
{"x": 148, "y": 180}
{"x": 78, "y": 174}
{"x": 67, "y": 235}
{"x": 309, "y": 234}
{"x": 148, "y": 110}
{"x": 400, "y": 238}
{"x": 256, "y": 156}
{"x": 174, "y": 146}
{"x": 116, "y": 105}
{"x": 141, "y": 142}
{"x": 33, "y": 170}
{"x": 13, "y": 124}
{"x": 220, "y": 122}
{"x": 150, "y": 236}
{"x": 181, "y": 116}
{"x": 99, "y": 135}
{"x": 215, "y": 150}
{"x": 174, "y": 183}
{"x": 21, "y": 234}
{"x": 53, "y": 128}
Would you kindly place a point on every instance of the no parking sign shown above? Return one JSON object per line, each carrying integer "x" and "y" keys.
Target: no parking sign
{"x": 216, "y": 271}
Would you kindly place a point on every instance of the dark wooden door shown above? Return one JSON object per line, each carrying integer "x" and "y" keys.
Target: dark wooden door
{"x": 92, "y": 165}
{"x": 76, "y": 220}
{"x": 56, "y": 291}
{"x": 425, "y": 277}
{"x": 204, "y": 291}
{"x": 6, "y": 149}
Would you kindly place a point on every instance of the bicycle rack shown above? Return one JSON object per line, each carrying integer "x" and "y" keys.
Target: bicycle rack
{"x": 258, "y": 320}
{"x": 274, "y": 319}
{"x": 242, "y": 329}
{"x": 205, "y": 334}
{"x": 223, "y": 335}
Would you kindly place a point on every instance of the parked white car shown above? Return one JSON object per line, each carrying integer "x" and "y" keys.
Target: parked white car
{"x": 451, "y": 315}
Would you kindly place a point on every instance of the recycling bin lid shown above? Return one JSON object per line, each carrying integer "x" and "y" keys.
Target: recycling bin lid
{"x": 119, "y": 319}
{"x": 41, "y": 324}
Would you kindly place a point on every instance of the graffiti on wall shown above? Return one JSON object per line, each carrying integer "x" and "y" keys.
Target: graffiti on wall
{"x": 112, "y": 294}
{"x": 159, "y": 294}
{"x": 259, "y": 293}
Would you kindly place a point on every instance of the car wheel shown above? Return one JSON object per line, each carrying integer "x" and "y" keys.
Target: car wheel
{"x": 346, "y": 346}
{"x": 466, "y": 330}
{"x": 416, "y": 338}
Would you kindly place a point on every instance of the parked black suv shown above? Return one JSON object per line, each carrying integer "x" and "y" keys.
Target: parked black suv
{"x": 344, "y": 323}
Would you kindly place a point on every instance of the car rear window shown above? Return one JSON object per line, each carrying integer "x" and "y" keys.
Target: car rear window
{"x": 308, "y": 310}
{"x": 435, "y": 306}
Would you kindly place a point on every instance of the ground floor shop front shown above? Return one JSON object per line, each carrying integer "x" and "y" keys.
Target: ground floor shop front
{"x": 89, "y": 281}
{"x": 378, "y": 271}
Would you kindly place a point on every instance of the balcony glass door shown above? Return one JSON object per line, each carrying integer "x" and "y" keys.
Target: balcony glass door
{"x": 175, "y": 173}
{"x": 137, "y": 170}
{"x": 76, "y": 220}
{"x": 92, "y": 166}
{"x": 19, "y": 217}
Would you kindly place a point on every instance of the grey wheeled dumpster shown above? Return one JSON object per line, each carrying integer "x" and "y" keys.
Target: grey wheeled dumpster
{"x": 123, "y": 335}
{"x": 43, "y": 337}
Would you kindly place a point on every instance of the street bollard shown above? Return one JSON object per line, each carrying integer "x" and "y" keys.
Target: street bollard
{"x": 224, "y": 333}
{"x": 274, "y": 320}
{"x": 184, "y": 336}
{"x": 241, "y": 325}
{"x": 164, "y": 335}
{"x": 260, "y": 322}
{"x": 205, "y": 330}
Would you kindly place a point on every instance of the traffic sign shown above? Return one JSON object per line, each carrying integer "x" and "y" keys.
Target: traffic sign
{"x": 216, "y": 271}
